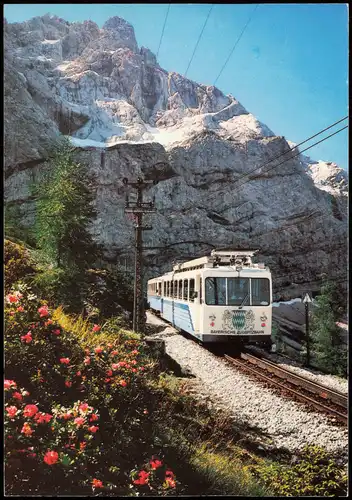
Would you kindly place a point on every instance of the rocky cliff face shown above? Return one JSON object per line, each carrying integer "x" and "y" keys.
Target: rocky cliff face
{"x": 125, "y": 114}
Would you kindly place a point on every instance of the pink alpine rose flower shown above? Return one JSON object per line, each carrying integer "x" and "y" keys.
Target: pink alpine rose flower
{"x": 98, "y": 350}
{"x": 9, "y": 384}
{"x": 51, "y": 457}
{"x": 30, "y": 410}
{"x": 97, "y": 483}
{"x": 93, "y": 428}
{"x": 11, "y": 411}
{"x": 12, "y": 298}
{"x": 65, "y": 361}
{"x": 96, "y": 328}
{"x": 79, "y": 421}
{"x": 86, "y": 361}
{"x": 43, "y": 311}
{"x": 17, "y": 395}
{"x": 155, "y": 464}
{"x": 41, "y": 418}
{"x": 27, "y": 338}
{"x": 26, "y": 429}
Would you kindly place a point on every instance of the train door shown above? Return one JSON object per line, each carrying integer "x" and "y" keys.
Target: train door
{"x": 198, "y": 301}
{"x": 162, "y": 295}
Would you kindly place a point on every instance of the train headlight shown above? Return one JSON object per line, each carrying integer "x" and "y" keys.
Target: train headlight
{"x": 263, "y": 324}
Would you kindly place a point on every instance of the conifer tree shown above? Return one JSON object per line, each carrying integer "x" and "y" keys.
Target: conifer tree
{"x": 330, "y": 350}
{"x": 65, "y": 210}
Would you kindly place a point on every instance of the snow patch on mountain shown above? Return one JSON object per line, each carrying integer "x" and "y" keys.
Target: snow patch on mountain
{"x": 326, "y": 175}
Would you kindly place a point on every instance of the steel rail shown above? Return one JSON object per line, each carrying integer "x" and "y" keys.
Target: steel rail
{"x": 298, "y": 395}
{"x": 313, "y": 387}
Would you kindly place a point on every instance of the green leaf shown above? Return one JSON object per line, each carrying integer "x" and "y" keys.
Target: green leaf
{"x": 65, "y": 460}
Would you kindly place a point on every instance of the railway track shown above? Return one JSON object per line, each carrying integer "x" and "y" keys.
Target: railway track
{"x": 314, "y": 395}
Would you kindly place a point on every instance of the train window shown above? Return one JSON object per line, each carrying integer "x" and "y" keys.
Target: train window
{"x": 215, "y": 291}
{"x": 185, "y": 289}
{"x": 191, "y": 290}
{"x": 180, "y": 289}
{"x": 159, "y": 288}
{"x": 171, "y": 288}
{"x": 168, "y": 289}
{"x": 200, "y": 290}
{"x": 260, "y": 291}
{"x": 175, "y": 289}
{"x": 164, "y": 288}
{"x": 238, "y": 291}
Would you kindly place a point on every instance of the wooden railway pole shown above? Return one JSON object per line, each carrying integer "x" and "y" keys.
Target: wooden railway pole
{"x": 306, "y": 301}
{"x": 138, "y": 208}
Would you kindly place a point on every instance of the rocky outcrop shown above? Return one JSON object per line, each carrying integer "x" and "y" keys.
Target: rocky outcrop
{"x": 125, "y": 114}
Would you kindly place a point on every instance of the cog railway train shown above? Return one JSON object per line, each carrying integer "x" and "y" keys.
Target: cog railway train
{"x": 217, "y": 298}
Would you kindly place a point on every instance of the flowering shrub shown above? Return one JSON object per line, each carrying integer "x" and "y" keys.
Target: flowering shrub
{"x": 33, "y": 341}
{"x": 154, "y": 478}
{"x": 92, "y": 402}
{"x": 63, "y": 438}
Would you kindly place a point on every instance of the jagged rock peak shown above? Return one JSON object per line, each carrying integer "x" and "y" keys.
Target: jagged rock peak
{"x": 148, "y": 56}
{"x": 123, "y": 29}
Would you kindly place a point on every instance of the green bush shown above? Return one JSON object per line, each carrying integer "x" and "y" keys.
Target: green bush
{"x": 108, "y": 294}
{"x": 18, "y": 264}
{"x": 314, "y": 473}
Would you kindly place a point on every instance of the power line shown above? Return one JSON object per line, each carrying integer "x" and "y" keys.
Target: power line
{"x": 162, "y": 33}
{"x": 238, "y": 39}
{"x": 294, "y": 156}
{"x": 291, "y": 149}
{"x": 200, "y": 36}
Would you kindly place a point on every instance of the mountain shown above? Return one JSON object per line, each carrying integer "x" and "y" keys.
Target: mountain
{"x": 125, "y": 114}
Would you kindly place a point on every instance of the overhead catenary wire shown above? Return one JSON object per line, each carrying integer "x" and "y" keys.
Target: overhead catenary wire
{"x": 236, "y": 43}
{"x": 294, "y": 156}
{"x": 290, "y": 149}
{"x": 199, "y": 38}
{"x": 162, "y": 32}
{"x": 283, "y": 154}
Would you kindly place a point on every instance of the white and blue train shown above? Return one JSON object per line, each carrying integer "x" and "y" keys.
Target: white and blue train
{"x": 221, "y": 297}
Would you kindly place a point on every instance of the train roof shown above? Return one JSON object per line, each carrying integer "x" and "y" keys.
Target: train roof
{"x": 245, "y": 272}
{"x": 222, "y": 261}
{"x": 239, "y": 258}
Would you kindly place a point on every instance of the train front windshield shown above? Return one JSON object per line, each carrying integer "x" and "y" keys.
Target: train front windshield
{"x": 237, "y": 291}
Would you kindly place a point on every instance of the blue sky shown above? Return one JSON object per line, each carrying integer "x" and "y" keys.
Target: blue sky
{"x": 289, "y": 69}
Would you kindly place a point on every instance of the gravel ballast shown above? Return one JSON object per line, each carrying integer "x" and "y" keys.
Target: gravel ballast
{"x": 285, "y": 423}
{"x": 331, "y": 381}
